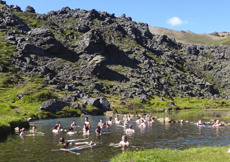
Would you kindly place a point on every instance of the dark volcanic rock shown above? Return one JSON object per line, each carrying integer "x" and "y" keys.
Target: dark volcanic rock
{"x": 30, "y": 9}
{"x": 41, "y": 41}
{"x": 91, "y": 42}
{"x": 53, "y": 105}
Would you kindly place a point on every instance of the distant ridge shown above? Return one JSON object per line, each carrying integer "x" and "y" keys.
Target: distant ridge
{"x": 188, "y": 37}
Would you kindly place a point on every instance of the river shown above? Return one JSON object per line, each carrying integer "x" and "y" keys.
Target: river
{"x": 158, "y": 135}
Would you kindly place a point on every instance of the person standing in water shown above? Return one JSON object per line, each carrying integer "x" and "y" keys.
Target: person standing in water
{"x": 87, "y": 122}
{"x": 33, "y": 130}
{"x": 124, "y": 141}
{"x": 73, "y": 124}
{"x": 23, "y": 132}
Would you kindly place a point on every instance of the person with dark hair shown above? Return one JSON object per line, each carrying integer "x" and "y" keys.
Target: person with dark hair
{"x": 110, "y": 122}
{"x": 86, "y": 129}
{"x": 130, "y": 130}
{"x": 73, "y": 123}
{"x": 71, "y": 131}
{"x": 98, "y": 130}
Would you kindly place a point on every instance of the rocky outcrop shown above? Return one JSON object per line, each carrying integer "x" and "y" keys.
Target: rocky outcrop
{"x": 53, "y": 105}
{"x": 30, "y": 9}
{"x": 95, "y": 53}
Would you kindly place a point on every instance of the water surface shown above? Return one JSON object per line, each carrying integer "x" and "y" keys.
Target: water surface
{"x": 158, "y": 135}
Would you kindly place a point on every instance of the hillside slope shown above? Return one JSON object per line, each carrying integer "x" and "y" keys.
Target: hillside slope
{"x": 75, "y": 56}
{"x": 188, "y": 37}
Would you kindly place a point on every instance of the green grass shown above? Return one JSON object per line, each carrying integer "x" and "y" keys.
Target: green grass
{"x": 30, "y": 19}
{"x": 8, "y": 123}
{"x": 200, "y": 154}
{"x": 225, "y": 41}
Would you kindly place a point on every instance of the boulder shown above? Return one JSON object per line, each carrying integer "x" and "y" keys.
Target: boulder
{"x": 91, "y": 42}
{"x": 53, "y": 105}
{"x": 30, "y": 9}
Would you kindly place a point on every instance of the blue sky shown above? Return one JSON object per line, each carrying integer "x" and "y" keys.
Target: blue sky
{"x": 198, "y": 16}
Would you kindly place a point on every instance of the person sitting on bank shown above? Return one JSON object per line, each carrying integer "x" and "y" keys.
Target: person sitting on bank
{"x": 124, "y": 141}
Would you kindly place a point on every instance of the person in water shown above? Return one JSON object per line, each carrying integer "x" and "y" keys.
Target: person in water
{"x": 23, "y": 132}
{"x": 55, "y": 129}
{"x": 98, "y": 130}
{"x": 110, "y": 122}
{"x": 101, "y": 123}
{"x": 61, "y": 140}
{"x": 87, "y": 122}
{"x": 217, "y": 123}
{"x": 58, "y": 125}
{"x": 86, "y": 129}
{"x": 73, "y": 124}
{"x": 199, "y": 122}
{"x": 71, "y": 131}
{"x": 130, "y": 130}
{"x": 124, "y": 141}
{"x": 142, "y": 124}
{"x": 33, "y": 130}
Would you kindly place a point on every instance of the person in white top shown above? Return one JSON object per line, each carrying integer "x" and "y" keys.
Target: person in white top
{"x": 142, "y": 124}
{"x": 110, "y": 122}
{"x": 124, "y": 141}
{"x": 33, "y": 130}
{"x": 217, "y": 123}
{"x": 130, "y": 130}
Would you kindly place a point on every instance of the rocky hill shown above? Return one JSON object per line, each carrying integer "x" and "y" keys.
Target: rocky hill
{"x": 81, "y": 55}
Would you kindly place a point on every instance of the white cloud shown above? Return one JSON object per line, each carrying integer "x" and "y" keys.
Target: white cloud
{"x": 176, "y": 21}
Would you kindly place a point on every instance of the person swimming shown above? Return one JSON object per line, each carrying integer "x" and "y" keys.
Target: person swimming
{"x": 124, "y": 141}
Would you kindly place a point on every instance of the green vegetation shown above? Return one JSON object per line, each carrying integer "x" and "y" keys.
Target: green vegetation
{"x": 199, "y": 154}
{"x": 158, "y": 104}
{"x": 225, "y": 41}
{"x": 30, "y": 19}
{"x": 8, "y": 124}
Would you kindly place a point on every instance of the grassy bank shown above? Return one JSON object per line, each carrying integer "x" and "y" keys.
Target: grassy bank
{"x": 7, "y": 124}
{"x": 201, "y": 154}
{"x": 159, "y": 104}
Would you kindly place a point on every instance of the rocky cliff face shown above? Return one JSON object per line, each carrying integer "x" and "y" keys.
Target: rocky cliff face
{"x": 95, "y": 53}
